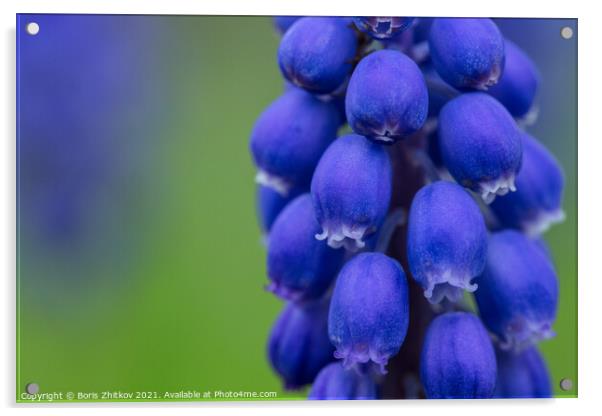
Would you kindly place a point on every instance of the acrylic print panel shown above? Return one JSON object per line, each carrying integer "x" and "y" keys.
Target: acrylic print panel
{"x": 173, "y": 168}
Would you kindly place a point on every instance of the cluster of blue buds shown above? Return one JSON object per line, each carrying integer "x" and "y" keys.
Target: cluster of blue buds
{"x": 437, "y": 110}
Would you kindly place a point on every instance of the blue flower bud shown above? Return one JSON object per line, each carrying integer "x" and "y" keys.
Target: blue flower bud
{"x": 447, "y": 241}
{"x": 369, "y": 310}
{"x": 518, "y": 291}
{"x": 289, "y": 138}
{"x": 283, "y": 23}
{"x": 522, "y": 375}
{"x": 480, "y": 144}
{"x": 458, "y": 360}
{"x": 467, "y": 53}
{"x": 317, "y": 53}
{"x": 351, "y": 190}
{"x": 518, "y": 84}
{"x": 382, "y": 27}
{"x": 537, "y": 202}
{"x": 269, "y": 205}
{"x": 335, "y": 382}
{"x": 543, "y": 246}
{"x": 387, "y": 98}
{"x": 298, "y": 347}
{"x": 299, "y": 266}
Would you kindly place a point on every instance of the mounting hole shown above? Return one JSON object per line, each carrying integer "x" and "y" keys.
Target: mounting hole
{"x": 32, "y": 388}
{"x": 566, "y": 32}
{"x": 566, "y": 384}
{"x": 32, "y": 28}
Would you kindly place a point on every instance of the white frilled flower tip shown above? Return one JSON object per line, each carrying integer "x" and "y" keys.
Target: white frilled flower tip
{"x": 384, "y": 139}
{"x": 386, "y": 133}
{"x": 274, "y": 182}
{"x": 343, "y": 236}
{"x": 524, "y": 333}
{"x": 362, "y": 354}
{"x": 498, "y": 187}
{"x": 448, "y": 285}
{"x": 542, "y": 222}
{"x": 490, "y": 80}
{"x": 530, "y": 118}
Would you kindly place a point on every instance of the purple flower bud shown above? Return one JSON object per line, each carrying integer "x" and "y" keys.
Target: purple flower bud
{"x": 298, "y": 347}
{"x": 518, "y": 291}
{"x": 382, "y": 27}
{"x": 269, "y": 205}
{"x": 447, "y": 241}
{"x": 351, "y": 190}
{"x": 289, "y": 138}
{"x": 467, "y": 53}
{"x": 335, "y": 382}
{"x": 369, "y": 311}
{"x": 480, "y": 144}
{"x": 518, "y": 84}
{"x": 522, "y": 375}
{"x": 283, "y": 23}
{"x": 458, "y": 360}
{"x": 299, "y": 266}
{"x": 537, "y": 202}
{"x": 316, "y": 53}
{"x": 387, "y": 98}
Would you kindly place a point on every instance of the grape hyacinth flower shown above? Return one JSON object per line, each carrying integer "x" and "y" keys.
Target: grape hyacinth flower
{"x": 298, "y": 347}
{"x": 387, "y": 98}
{"x": 335, "y": 382}
{"x": 537, "y": 202}
{"x": 269, "y": 204}
{"x": 518, "y": 291}
{"x": 351, "y": 191}
{"x": 369, "y": 310}
{"x": 467, "y": 53}
{"x": 283, "y": 23}
{"x": 289, "y": 138}
{"x": 518, "y": 85}
{"x": 480, "y": 144}
{"x": 522, "y": 375}
{"x": 316, "y": 53}
{"x": 436, "y": 107}
{"x": 458, "y": 359}
{"x": 383, "y": 27}
{"x": 300, "y": 267}
{"x": 447, "y": 241}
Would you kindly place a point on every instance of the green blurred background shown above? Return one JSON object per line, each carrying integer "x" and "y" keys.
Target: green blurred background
{"x": 159, "y": 285}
